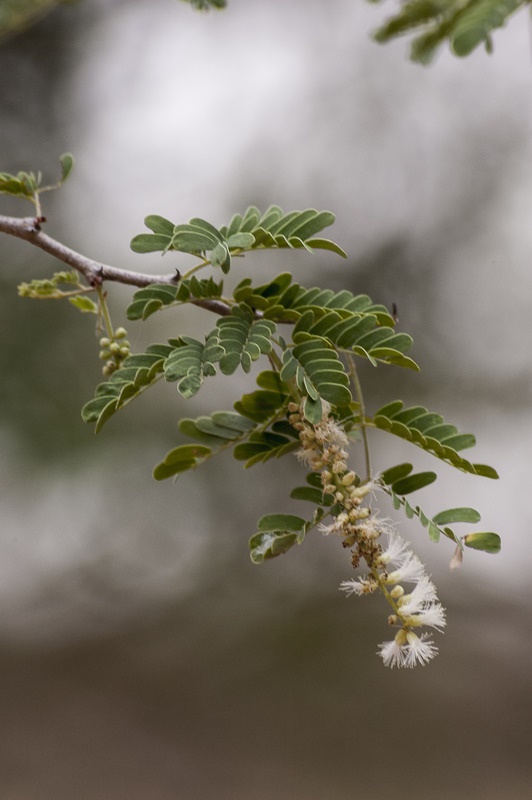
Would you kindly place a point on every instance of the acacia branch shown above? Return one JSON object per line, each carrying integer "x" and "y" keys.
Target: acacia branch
{"x": 29, "y": 229}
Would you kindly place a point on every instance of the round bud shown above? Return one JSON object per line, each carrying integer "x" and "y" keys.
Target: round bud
{"x": 397, "y": 591}
{"x": 114, "y": 348}
{"x": 124, "y": 352}
{"x": 120, "y": 333}
{"x": 104, "y": 354}
{"x": 105, "y": 342}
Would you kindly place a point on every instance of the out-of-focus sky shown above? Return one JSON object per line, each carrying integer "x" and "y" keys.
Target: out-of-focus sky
{"x": 428, "y": 170}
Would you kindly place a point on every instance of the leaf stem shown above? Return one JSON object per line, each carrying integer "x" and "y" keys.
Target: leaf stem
{"x": 360, "y": 399}
{"x": 192, "y": 270}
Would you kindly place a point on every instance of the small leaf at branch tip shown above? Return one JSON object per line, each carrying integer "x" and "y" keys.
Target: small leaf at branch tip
{"x": 67, "y": 163}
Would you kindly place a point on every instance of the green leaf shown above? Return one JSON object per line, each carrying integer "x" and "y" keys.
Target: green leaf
{"x": 191, "y": 361}
{"x": 319, "y": 374}
{"x": 271, "y": 544}
{"x": 475, "y": 23}
{"x": 489, "y": 542}
{"x": 193, "y": 239}
{"x": 198, "y": 222}
{"x": 280, "y": 522}
{"x": 414, "y": 482}
{"x": 137, "y": 373}
{"x": 219, "y": 429}
{"x": 485, "y": 471}
{"x": 241, "y": 241}
{"x": 157, "y": 296}
{"x": 206, "y": 5}
{"x": 261, "y": 405}
{"x": 11, "y": 184}
{"x": 313, "y": 494}
{"x": 273, "y": 229}
{"x": 84, "y": 304}
{"x": 220, "y": 257}
{"x": 390, "y": 476}
{"x": 266, "y": 402}
{"x": 149, "y": 242}
{"x": 313, "y": 410}
{"x": 415, "y": 511}
{"x": 159, "y": 225}
{"x": 349, "y": 322}
{"x": 181, "y": 459}
{"x": 463, "y": 25}
{"x": 276, "y": 534}
{"x": 67, "y": 163}
{"x": 243, "y": 339}
{"x": 428, "y": 431}
{"x": 223, "y": 429}
{"x": 456, "y": 515}
{"x": 263, "y": 445}
{"x": 151, "y": 299}
{"x": 326, "y": 244}
{"x": 214, "y": 433}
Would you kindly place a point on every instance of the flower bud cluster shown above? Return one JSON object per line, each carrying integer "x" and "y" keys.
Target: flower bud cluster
{"x": 325, "y": 449}
{"x": 114, "y": 351}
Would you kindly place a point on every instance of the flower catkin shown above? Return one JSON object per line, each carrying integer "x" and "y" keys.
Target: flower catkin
{"x": 325, "y": 449}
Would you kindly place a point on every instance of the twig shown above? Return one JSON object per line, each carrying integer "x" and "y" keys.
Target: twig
{"x": 29, "y": 229}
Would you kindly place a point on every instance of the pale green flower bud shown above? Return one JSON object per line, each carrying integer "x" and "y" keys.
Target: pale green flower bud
{"x": 349, "y": 478}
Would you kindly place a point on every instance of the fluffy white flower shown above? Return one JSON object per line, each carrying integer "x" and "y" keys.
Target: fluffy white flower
{"x": 410, "y": 571}
{"x": 358, "y": 587}
{"x": 393, "y": 653}
{"x": 433, "y": 615}
{"x": 397, "y": 550}
{"x": 407, "y": 650}
{"x": 308, "y": 456}
{"x": 336, "y": 526}
{"x": 418, "y": 649}
{"x": 422, "y": 594}
{"x": 332, "y": 432}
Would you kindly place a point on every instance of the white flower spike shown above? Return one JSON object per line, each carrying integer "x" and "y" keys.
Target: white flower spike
{"x": 324, "y": 449}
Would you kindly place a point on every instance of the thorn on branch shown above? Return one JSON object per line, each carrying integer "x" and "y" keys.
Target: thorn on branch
{"x": 395, "y": 314}
{"x": 37, "y": 222}
{"x": 96, "y": 279}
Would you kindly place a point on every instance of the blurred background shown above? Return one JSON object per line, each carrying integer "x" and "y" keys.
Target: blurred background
{"x": 142, "y": 655}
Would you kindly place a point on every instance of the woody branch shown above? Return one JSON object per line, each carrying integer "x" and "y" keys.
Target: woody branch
{"x": 29, "y": 229}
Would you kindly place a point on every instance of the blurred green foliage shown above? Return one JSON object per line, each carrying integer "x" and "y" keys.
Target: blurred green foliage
{"x": 16, "y": 15}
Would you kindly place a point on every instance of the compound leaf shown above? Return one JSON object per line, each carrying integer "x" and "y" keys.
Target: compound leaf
{"x": 191, "y": 361}
{"x": 319, "y": 374}
{"x": 463, "y": 25}
{"x": 137, "y": 373}
{"x": 428, "y": 431}
{"x": 243, "y": 339}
